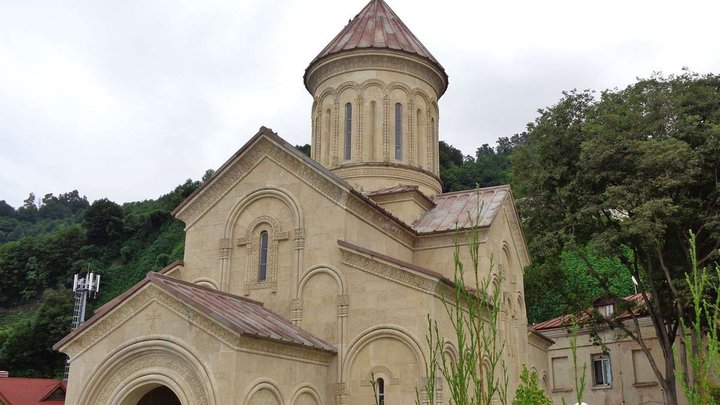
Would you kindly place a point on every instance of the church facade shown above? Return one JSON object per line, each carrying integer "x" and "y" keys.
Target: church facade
{"x": 303, "y": 278}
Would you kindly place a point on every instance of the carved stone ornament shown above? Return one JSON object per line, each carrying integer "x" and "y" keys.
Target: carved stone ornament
{"x": 275, "y": 235}
{"x": 225, "y": 248}
{"x": 390, "y": 272}
{"x": 375, "y": 60}
{"x": 173, "y": 365}
{"x": 404, "y": 174}
{"x": 342, "y": 305}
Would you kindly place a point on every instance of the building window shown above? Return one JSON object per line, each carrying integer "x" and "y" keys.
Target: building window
{"x": 380, "y": 387}
{"x": 607, "y": 310}
{"x": 433, "y": 142}
{"x": 602, "y": 372}
{"x": 398, "y": 131}
{"x": 560, "y": 372}
{"x": 348, "y": 130}
{"x": 262, "y": 263}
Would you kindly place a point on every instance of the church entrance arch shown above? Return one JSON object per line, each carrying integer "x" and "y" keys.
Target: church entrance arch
{"x": 140, "y": 371}
{"x": 160, "y": 396}
{"x": 152, "y": 394}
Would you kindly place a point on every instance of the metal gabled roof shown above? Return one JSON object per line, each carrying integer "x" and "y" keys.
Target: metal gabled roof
{"x": 463, "y": 210}
{"x": 241, "y": 315}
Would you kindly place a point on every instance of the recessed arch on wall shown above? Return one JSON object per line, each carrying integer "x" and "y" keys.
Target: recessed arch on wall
{"x": 450, "y": 351}
{"x": 205, "y": 282}
{"x": 322, "y": 269}
{"x": 378, "y": 332}
{"x": 266, "y": 192}
{"x": 328, "y": 92}
{"x": 306, "y": 388}
{"x": 261, "y": 384}
{"x": 373, "y": 82}
{"x": 141, "y": 364}
{"x": 383, "y": 372}
{"x": 402, "y": 87}
{"x": 354, "y": 86}
{"x": 418, "y": 92}
{"x": 285, "y": 197}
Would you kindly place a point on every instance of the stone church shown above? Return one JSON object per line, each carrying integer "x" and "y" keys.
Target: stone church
{"x": 305, "y": 278}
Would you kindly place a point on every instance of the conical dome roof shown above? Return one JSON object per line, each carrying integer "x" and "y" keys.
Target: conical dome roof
{"x": 377, "y": 26}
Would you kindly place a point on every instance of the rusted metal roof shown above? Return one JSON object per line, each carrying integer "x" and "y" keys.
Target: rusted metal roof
{"x": 377, "y": 26}
{"x": 463, "y": 209}
{"x": 241, "y": 315}
{"x": 564, "y": 321}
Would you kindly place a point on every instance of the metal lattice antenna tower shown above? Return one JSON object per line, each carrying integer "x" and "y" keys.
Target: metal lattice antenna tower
{"x": 82, "y": 287}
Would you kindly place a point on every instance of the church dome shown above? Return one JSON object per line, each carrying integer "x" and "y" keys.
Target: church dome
{"x": 375, "y": 115}
{"x": 377, "y": 26}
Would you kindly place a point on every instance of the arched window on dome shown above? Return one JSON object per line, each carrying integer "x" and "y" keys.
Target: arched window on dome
{"x": 398, "y": 131}
{"x": 348, "y": 131}
{"x": 435, "y": 145}
{"x": 262, "y": 262}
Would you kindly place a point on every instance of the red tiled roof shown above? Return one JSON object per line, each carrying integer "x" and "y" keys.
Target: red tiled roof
{"x": 459, "y": 210}
{"x": 29, "y": 391}
{"x": 377, "y": 26}
{"x": 565, "y": 321}
{"x": 242, "y": 315}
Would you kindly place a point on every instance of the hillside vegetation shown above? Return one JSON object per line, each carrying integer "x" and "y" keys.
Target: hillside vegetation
{"x": 46, "y": 243}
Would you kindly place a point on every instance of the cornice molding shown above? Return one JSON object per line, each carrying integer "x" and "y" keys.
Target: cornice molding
{"x": 393, "y": 273}
{"x": 374, "y": 59}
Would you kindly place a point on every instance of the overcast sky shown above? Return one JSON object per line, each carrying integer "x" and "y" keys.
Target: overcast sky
{"x": 126, "y": 99}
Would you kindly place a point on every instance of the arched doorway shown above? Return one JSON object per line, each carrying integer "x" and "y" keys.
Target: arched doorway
{"x": 161, "y": 395}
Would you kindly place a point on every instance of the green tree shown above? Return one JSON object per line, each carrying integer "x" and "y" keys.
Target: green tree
{"x": 6, "y": 210}
{"x": 629, "y": 175}
{"x": 529, "y": 391}
{"x": 449, "y": 156}
{"x": 28, "y": 211}
{"x": 26, "y": 348}
{"x": 104, "y": 222}
{"x": 304, "y": 149}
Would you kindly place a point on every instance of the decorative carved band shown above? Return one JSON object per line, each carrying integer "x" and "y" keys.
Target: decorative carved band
{"x": 225, "y": 247}
{"x": 296, "y": 310}
{"x": 387, "y": 271}
{"x": 402, "y": 173}
{"x": 174, "y": 364}
{"x": 375, "y": 60}
{"x": 342, "y": 305}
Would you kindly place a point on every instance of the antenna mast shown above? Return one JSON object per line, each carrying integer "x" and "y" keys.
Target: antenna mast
{"x": 82, "y": 287}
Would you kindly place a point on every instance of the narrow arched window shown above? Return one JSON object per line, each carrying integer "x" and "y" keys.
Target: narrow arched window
{"x": 262, "y": 263}
{"x": 434, "y": 144}
{"x": 380, "y": 386}
{"x": 398, "y": 131}
{"x": 348, "y": 131}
